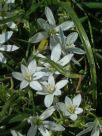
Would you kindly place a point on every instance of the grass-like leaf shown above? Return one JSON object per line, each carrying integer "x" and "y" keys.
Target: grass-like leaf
{"x": 87, "y": 47}
{"x": 92, "y": 5}
{"x": 61, "y": 69}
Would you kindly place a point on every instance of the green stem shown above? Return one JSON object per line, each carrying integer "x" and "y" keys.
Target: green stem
{"x": 31, "y": 96}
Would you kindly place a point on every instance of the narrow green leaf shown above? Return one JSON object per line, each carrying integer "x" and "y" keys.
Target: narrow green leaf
{"x": 87, "y": 47}
{"x": 32, "y": 9}
{"x": 92, "y": 5}
{"x": 61, "y": 70}
{"x": 8, "y": 104}
{"x": 18, "y": 118}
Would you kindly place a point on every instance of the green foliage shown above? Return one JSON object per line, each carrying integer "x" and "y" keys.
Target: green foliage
{"x": 83, "y": 73}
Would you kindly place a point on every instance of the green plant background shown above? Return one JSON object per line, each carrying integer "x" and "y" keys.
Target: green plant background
{"x": 16, "y": 105}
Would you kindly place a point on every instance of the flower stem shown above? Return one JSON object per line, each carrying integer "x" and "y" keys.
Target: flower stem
{"x": 31, "y": 96}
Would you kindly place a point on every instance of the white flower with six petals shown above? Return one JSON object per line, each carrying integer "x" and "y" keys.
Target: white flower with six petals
{"x": 42, "y": 124}
{"x": 50, "y": 29}
{"x": 29, "y": 76}
{"x": 51, "y": 89}
{"x": 71, "y": 107}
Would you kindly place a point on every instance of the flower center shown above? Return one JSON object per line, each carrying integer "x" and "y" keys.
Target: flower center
{"x": 71, "y": 109}
{"x": 28, "y": 76}
{"x": 37, "y": 121}
{"x": 50, "y": 88}
{"x": 52, "y": 32}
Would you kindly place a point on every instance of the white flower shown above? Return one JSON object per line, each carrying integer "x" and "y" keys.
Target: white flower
{"x": 95, "y": 127}
{"x": 4, "y": 37}
{"x": 50, "y": 29}
{"x": 50, "y": 89}
{"x": 68, "y": 43}
{"x": 56, "y": 57}
{"x": 29, "y": 76}
{"x": 43, "y": 125}
{"x": 71, "y": 107}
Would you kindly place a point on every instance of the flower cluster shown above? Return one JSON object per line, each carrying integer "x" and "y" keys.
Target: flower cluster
{"x": 5, "y": 36}
{"x": 46, "y": 80}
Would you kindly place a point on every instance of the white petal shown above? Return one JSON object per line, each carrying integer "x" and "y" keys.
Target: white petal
{"x": 61, "y": 84}
{"x": 53, "y": 126}
{"x": 68, "y": 101}
{"x": 44, "y": 131}
{"x": 44, "y": 83}
{"x": 56, "y": 53}
{"x": 9, "y": 1}
{"x": 8, "y": 48}
{"x": 65, "y": 26}
{"x": 77, "y": 100}
{"x": 61, "y": 106}
{"x": 65, "y": 60}
{"x": 71, "y": 38}
{"x": 15, "y": 133}
{"x": 43, "y": 24}
{"x": 32, "y": 131}
{"x": 38, "y": 37}
{"x": 40, "y": 68}
{"x": 41, "y": 93}
{"x": 51, "y": 80}
{"x": 47, "y": 113}
{"x": 41, "y": 56}
{"x": 23, "y": 84}
{"x": 73, "y": 117}
{"x": 36, "y": 85}
{"x": 76, "y": 50}
{"x": 78, "y": 110}
{"x": 92, "y": 124}
{"x": 5, "y": 36}
{"x": 32, "y": 66}
{"x": 57, "y": 92}
{"x": 62, "y": 37}
{"x": 95, "y": 132}
{"x": 53, "y": 41}
{"x": 49, "y": 16}
{"x": 12, "y": 25}
{"x": 18, "y": 76}
{"x": 48, "y": 100}
{"x": 84, "y": 131}
{"x": 2, "y": 58}
{"x": 38, "y": 75}
{"x": 24, "y": 69}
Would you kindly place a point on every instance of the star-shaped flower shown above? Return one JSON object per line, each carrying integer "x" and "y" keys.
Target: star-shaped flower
{"x": 71, "y": 107}
{"x": 51, "y": 89}
{"x": 57, "y": 58}
{"x": 68, "y": 43}
{"x": 29, "y": 76}
{"x": 43, "y": 125}
{"x": 50, "y": 28}
{"x": 95, "y": 127}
